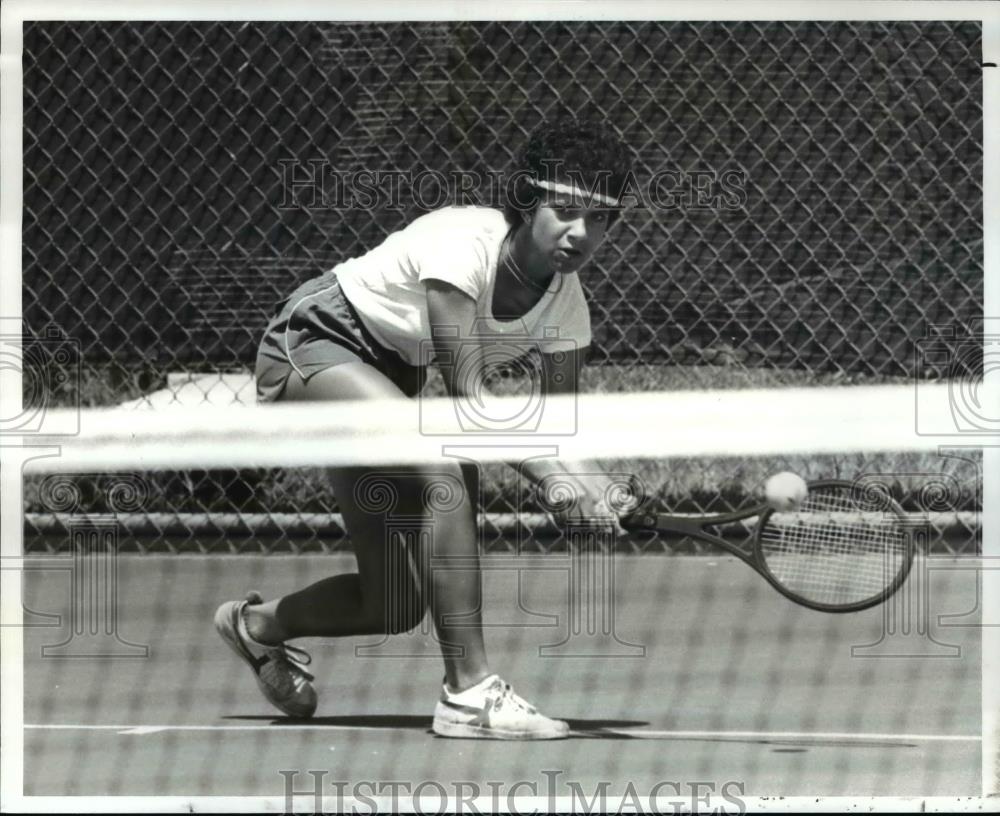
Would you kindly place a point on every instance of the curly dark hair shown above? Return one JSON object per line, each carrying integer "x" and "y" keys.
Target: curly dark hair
{"x": 568, "y": 148}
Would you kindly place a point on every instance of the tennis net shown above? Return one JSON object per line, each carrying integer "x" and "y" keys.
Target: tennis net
{"x": 682, "y": 673}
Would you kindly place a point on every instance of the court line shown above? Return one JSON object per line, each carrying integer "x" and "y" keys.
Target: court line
{"x": 634, "y": 733}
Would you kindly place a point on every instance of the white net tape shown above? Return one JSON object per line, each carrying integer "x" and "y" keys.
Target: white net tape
{"x": 736, "y": 423}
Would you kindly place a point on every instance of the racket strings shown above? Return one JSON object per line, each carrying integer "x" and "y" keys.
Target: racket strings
{"x": 833, "y": 550}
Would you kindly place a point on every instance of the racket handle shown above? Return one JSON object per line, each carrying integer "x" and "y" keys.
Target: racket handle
{"x": 638, "y": 521}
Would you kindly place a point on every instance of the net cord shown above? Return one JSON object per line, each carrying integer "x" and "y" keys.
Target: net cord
{"x": 660, "y": 424}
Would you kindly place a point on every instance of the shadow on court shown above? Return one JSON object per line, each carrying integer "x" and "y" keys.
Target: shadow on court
{"x": 393, "y": 721}
{"x": 579, "y": 729}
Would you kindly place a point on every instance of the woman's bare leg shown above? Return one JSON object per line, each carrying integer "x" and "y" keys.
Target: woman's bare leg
{"x": 385, "y": 595}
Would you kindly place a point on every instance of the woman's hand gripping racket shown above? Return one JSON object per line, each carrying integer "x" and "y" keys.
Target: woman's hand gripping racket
{"x": 842, "y": 549}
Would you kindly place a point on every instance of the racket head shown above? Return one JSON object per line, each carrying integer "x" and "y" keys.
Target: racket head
{"x": 847, "y": 547}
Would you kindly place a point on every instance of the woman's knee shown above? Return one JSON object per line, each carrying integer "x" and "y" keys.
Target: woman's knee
{"x": 402, "y": 491}
{"x": 439, "y": 488}
{"x": 396, "y": 616}
{"x": 406, "y": 619}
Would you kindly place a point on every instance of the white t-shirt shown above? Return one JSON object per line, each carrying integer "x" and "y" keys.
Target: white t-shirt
{"x": 461, "y": 246}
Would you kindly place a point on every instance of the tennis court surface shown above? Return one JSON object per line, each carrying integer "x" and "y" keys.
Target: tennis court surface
{"x": 733, "y": 683}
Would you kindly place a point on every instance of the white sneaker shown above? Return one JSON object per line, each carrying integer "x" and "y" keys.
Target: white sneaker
{"x": 278, "y": 669}
{"x": 491, "y": 710}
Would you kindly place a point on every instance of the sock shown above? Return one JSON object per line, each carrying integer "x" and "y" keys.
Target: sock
{"x": 479, "y": 687}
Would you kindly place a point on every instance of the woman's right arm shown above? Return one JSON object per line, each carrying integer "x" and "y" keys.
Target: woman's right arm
{"x": 452, "y": 315}
{"x": 458, "y": 354}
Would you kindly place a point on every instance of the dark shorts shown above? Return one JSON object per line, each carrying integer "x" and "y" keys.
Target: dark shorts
{"x": 317, "y": 327}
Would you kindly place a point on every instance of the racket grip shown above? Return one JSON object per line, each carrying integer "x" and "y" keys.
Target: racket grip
{"x": 638, "y": 521}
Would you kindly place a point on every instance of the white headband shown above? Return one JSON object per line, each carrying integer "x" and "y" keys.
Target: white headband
{"x": 573, "y": 190}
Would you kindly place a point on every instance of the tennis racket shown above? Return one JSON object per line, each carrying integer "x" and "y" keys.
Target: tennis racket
{"x": 843, "y": 549}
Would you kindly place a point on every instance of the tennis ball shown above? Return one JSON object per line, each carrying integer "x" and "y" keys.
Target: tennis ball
{"x": 785, "y": 491}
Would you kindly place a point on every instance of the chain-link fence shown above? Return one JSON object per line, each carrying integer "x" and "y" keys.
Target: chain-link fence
{"x": 818, "y": 205}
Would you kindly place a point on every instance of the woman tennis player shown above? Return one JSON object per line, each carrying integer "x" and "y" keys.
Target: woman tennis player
{"x": 451, "y": 280}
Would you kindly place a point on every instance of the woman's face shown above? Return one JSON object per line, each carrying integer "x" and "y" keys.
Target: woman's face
{"x": 566, "y": 231}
